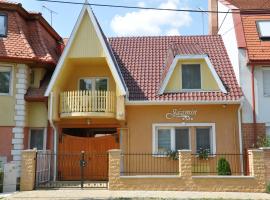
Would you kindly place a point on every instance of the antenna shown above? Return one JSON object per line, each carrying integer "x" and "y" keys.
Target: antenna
{"x": 203, "y": 13}
{"x": 51, "y": 12}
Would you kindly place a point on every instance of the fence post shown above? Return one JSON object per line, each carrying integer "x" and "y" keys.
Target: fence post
{"x": 114, "y": 168}
{"x": 256, "y": 166}
{"x": 28, "y": 170}
{"x": 185, "y": 163}
{"x": 266, "y": 155}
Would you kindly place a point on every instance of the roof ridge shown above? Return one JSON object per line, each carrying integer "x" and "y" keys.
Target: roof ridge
{"x": 164, "y": 36}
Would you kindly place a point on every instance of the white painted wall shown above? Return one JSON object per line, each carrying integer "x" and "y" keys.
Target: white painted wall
{"x": 262, "y": 102}
{"x": 238, "y": 59}
{"x": 228, "y": 35}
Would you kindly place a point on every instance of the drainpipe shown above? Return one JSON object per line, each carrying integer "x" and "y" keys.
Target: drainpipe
{"x": 55, "y": 137}
{"x": 240, "y": 136}
{"x": 253, "y": 104}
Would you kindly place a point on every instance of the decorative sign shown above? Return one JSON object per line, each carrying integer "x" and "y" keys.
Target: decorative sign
{"x": 182, "y": 114}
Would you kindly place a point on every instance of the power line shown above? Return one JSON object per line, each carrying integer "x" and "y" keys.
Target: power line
{"x": 134, "y": 7}
{"x": 260, "y": 11}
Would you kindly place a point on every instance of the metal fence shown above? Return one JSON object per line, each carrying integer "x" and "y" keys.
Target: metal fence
{"x": 71, "y": 170}
{"x": 220, "y": 164}
{"x": 148, "y": 164}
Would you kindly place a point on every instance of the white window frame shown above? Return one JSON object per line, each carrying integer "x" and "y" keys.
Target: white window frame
{"x": 181, "y": 75}
{"x": 5, "y": 24}
{"x": 263, "y": 70}
{"x": 172, "y": 127}
{"x": 8, "y": 68}
{"x": 94, "y": 82}
{"x": 212, "y": 138}
{"x": 182, "y": 125}
{"x": 44, "y": 137}
{"x": 260, "y": 31}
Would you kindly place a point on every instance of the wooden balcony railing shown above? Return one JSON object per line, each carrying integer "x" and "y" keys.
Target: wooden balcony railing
{"x": 84, "y": 103}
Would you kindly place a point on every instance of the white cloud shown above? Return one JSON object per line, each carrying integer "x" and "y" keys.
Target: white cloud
{"x": 141, "y": 4}
{"x": 173, "y": 31}
{"x": 151, "y": 22}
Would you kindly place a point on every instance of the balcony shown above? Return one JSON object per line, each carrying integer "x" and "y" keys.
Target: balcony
{"x": 87, "y": 104}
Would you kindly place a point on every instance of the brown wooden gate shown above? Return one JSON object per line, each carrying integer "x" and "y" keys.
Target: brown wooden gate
{"x": 96, "y": 157}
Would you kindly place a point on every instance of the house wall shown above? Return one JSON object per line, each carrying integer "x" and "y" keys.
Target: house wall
{"x": 262, "y": 102}
{"x": 227, "y": 31}
{"x": 86, "y": 37}
{"x": 7, "y": 102}
{"x": 207, "y": 80}
{"x": 85, "y": 69}
{"x": 141, "y": 118}
{"x": 37, "y": 114}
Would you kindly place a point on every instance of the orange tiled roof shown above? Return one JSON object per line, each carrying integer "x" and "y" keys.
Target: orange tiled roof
{"x": 258, "y": 50}
{"x": 142, "y": 62}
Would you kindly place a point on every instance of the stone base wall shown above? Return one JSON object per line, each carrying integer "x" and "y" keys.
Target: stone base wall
{"x": 266, "y": 152}
{"x": 185, "y": 181}
{"x": 248, "y": 131}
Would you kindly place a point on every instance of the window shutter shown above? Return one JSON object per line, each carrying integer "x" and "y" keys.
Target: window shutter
{"x": 266, "y": 82}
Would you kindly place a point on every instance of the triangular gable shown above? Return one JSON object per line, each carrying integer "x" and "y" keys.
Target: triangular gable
{"x": 106, "y": 48}
{"x": 187, "y": 57}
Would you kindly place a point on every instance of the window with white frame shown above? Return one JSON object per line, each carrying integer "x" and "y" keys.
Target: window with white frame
{"x": 191, "y": 76}
{"x": 171, "y": 139}
{"x": 5, "y": 80}
{"x": 266, "y": 82}
{"x": 99, "y": 84}
{"x": 3, "y": 25}
{"x": 37, "y": 138}
{"x": 263, "y": 28}
{"x": 204, "y": 139}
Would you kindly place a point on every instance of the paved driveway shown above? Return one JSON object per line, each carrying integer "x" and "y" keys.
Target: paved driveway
{"x": 77, "y": 194}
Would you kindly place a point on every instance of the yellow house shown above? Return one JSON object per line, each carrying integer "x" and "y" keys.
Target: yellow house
{"x": 148, "y": 96}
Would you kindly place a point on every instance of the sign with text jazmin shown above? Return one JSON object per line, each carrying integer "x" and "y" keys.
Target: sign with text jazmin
{"x": 181, "y": 114}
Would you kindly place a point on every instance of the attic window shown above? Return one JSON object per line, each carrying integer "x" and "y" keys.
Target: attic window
{"x": 3, "y": 25}
{"x": 263, "y": 28}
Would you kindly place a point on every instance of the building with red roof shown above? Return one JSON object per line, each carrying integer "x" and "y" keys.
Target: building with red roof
{"x": 245, "y": 29}
{"x": 29, "y": 51}
{"x": 148, "y": 97}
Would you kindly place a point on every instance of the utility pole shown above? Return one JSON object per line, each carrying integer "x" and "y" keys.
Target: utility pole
{"x": 51, "y": 13}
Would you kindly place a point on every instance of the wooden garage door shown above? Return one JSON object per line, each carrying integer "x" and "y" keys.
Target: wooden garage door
{"x": 96, "y": 157}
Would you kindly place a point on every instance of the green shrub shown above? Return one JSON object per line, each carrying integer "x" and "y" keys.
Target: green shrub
{"x": 263, "y": 141}
{"x": 224, "y": 167}
{"x": 268, "y": 187}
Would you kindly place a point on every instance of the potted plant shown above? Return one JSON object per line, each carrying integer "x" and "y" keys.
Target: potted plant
{"x": 203, "y": 154}
{"x": 202, "y": 164}
{"x": 173, "y": 155}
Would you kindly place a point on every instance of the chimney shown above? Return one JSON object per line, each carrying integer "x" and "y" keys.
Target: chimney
{"x": 213, "y": 17}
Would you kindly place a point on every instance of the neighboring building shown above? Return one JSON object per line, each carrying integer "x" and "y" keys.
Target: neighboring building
{"x": 29, "y": 51}
{"x": 147, "y": 95}
{"x": 246, "y": 34}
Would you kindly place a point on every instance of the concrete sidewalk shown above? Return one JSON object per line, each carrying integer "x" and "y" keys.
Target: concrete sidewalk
{"x": 77, "y": 194}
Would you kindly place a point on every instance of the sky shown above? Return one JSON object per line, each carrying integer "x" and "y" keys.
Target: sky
{"x": 129, "y": 22}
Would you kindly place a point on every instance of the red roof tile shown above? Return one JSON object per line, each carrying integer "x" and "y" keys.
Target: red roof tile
{"x": 257, "y": 49}
{"x": 142, "y": 61}
{"x": 29, "y": 36}
{"x": 248, "y": 4}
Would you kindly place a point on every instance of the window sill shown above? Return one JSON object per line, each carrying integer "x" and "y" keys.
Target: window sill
{"x": 5, "y": 94}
